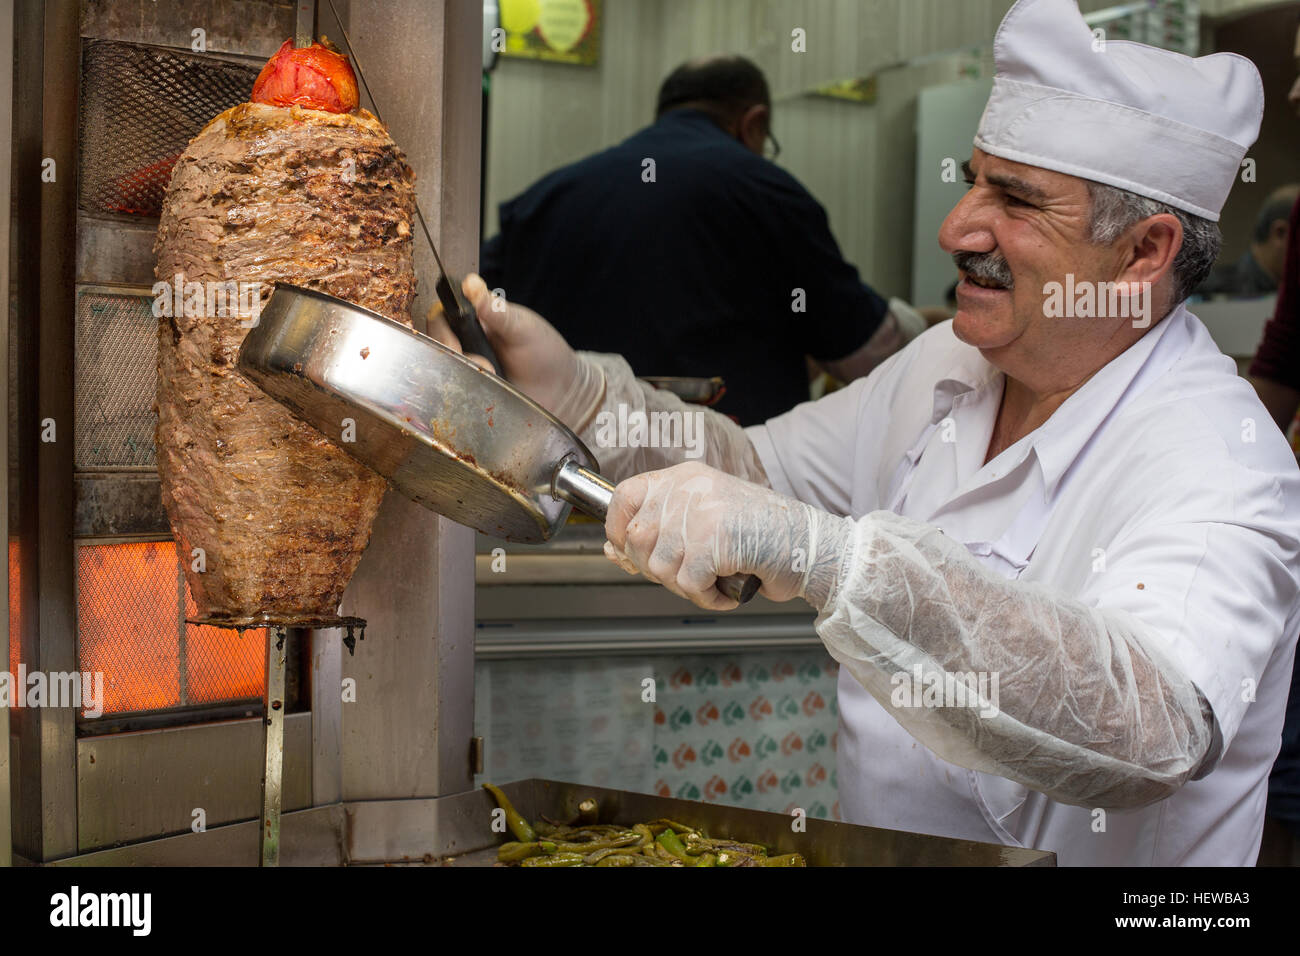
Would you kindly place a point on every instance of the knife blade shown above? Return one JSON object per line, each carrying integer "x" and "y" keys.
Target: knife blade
{"x": 461, "y": 316}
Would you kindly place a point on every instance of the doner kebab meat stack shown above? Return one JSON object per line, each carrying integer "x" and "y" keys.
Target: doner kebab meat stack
{"x": 302, "y": 186}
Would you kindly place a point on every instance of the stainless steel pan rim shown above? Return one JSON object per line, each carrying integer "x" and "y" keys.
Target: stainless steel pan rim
{"x": 425, "y": 341}
{"x": 443, "y": 430}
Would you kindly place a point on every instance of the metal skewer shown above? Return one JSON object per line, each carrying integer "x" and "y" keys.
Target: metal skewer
{"x": 268, "y": 850}
{"x": 304, "y": 26}
{"x": 274, "y": 706}
{"x": 268, "y": 853}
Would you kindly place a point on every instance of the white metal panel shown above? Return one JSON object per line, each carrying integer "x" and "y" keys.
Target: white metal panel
{"x": 947, "y": 117}
{"x": 139, "y": 785}
{"x": 408, "y": 732}
{"x": 1236, "y": 325}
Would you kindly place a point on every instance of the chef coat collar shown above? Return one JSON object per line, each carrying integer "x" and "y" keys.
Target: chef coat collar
{"x": 974, "y": 373}
{"x": 1057, "y": 443}
{"x": 1063, "y": 437}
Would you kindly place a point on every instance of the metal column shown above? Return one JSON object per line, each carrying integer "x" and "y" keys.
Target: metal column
{"x": 45, "y": 166}
{"x": 6, "y": 124}
{"x": 408, "y": 733}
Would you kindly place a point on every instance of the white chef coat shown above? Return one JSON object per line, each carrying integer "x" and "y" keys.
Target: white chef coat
{"x": 1161, "y": 488}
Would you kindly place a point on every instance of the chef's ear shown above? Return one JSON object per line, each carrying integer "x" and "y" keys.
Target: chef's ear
{"x": 753, "y": 126}
{"x": 1152, "y": 247}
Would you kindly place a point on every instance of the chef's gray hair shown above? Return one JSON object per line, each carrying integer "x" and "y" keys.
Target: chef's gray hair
{"x": 1115, "y": 210}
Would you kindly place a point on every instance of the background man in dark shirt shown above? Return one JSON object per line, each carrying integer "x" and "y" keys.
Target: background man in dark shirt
{"x": 720, "y": 262}
{"x": 1259, "y": 269}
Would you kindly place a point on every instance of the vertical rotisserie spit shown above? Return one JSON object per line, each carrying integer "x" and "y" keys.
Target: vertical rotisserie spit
{"x": 299, "y": 185}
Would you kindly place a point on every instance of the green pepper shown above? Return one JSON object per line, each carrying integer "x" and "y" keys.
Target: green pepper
{"x": 659, "y": 853}
{"x": 657, "y": 826}
{"x": 601, "y": 854}
{"x": 520, "y": 827}
{"x": 706, "y": 859}
{"x": 697, "y": 843}
{"x": 560, "y": 859}
{"x": 592, "y": 846}
{"x": 744, "y": 849}
{"x": 786, "y": 859}
{"x": 669, "y": 840}
{"x": 514, "y": 852}
{"x": 620, "y": 859}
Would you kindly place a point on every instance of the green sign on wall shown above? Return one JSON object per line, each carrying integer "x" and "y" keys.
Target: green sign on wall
{"x": 562, "y": 31}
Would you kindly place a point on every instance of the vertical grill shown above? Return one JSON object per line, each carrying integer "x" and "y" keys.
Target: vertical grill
{"x": 140, "y": 106}
{"x": 116, "y": 360}
{"x": 132, "y": 602}
{"x": 113, "y": 91}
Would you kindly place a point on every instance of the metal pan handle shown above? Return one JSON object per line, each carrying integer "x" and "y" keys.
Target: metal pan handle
{"x": 590, "y": 493}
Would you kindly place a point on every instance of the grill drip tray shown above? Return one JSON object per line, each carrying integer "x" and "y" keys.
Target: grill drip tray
{"x": 355, "y": 626}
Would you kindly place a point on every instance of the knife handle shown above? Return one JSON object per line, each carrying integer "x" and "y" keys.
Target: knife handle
{"x": 464, "y": 322}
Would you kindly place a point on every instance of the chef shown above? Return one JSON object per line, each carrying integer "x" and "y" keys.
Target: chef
{"x": 1054, "y": 543}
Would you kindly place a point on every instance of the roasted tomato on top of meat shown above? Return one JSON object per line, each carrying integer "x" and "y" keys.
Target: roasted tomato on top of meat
{"x": 315, "y": 77}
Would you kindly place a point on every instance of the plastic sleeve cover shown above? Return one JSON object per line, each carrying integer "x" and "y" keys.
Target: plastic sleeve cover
{"x": 1006, "y": 677}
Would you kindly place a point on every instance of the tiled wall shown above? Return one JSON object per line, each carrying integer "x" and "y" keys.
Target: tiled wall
{"x": 753, "y": 730}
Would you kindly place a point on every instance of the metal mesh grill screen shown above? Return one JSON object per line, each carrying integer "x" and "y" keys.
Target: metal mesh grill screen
{"x": 140, "y": 107}
{"x": 128, "y": 624}
{"x": 130, "y": 628}
{"x": 117, "y": 351}
{"x": 222, "y": 664}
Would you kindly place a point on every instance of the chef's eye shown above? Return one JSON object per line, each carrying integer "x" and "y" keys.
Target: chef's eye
{"x": 1016, "y": 201}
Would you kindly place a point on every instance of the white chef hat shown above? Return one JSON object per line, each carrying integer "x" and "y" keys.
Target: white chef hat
{"x": 1160, "y": 124}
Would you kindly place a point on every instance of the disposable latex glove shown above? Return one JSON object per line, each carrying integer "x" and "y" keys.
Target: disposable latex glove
{"x": 534, "y": 356}
{"x": 577, "y": 386}
{"x": 1090, "y": 707}
{"x": 686, "y": 526}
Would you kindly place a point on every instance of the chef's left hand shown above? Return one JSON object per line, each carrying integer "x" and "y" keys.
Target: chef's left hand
{"x": 686, "y": 526}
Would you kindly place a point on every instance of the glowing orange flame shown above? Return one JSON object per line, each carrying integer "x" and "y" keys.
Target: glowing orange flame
{"x": 129, "y": 628}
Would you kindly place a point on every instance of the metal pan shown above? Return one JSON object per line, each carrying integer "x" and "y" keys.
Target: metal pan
{"x": 443, "y": 431}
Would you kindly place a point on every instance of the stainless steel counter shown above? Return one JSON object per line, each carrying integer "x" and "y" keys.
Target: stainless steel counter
{"x": 455, "y": 830}
{"x": 564, "y": 597}
{"x": 823, "y": 842}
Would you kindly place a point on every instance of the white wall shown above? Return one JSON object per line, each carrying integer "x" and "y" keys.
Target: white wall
{"x": 859, "y": 161}
{"x": 947, "y": 117}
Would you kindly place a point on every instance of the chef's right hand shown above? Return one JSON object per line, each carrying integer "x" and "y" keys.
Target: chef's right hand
{"x": 534, "y": 356}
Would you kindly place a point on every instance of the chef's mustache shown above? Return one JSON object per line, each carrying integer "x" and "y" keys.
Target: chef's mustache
{"x": 988, "y": 266}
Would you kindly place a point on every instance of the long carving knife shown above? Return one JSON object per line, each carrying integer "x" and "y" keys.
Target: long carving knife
{"x": 461, "y": 316}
